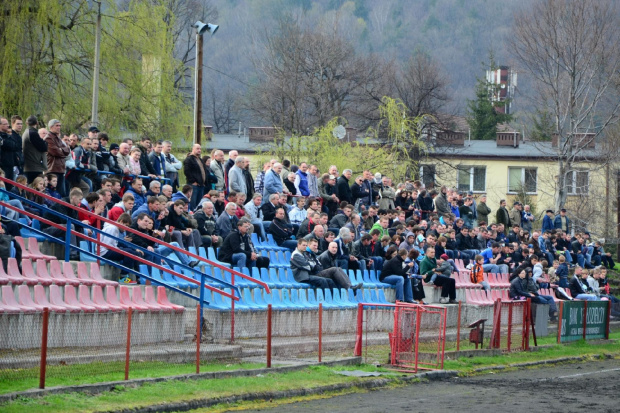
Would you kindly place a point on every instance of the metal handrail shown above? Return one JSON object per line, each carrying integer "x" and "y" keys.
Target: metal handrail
{"x": 131, "y": 230}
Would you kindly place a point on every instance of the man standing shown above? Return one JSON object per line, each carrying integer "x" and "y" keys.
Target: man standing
{"x": 547, "y": 224}
{"x": 344, "y": 188}
{"x": 195, "y": 174}
{"x": 157, "y": 159}
{"x": 441, "y": 202}
{"x": 483, "y": 210}
{"x": 527, "y": 218}
{"x": 313, "y": 183}
{"x": 146, "y": 167}
{"x": 301, "y": 180}
{"x": 273, "y": 183}
{"x": 57, "y": 151}
{"x": 35, "y": 148}
{"x": 236, "y": 179}
{"x": 173, "y": 165}
{"x": 502, "y": 216}
{"x": 562, "y": 222}
{"x": 515, "y": 214}
{"x": 218, "y": 169}
{"x": 249, "y": 181}
{"x": 11, "y": 149}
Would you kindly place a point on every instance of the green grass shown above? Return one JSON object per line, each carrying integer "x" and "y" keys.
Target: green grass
{"x": 177, "y": 391}
{"x": 72, "y": 375}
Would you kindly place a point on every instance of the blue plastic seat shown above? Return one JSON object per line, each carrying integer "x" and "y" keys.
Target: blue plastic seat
{"x": 352, "y": 296}
{"x": 295, "y": 299}
{"x": 283, "y": 280}
{"x": 351, "y": 274}
{"x": 375, "y": 278}
{"x": 322, "y": 298}
{"x": 25, "y": 231}
{"x": 286, "y": 299}
{"x": 312, "y": 299}
{"x": 87, "y": 246}
{"x": 275, "y": 301}
{"x": 376, "y": 298}
{"x": 180, "y": 281}
{"x": 381, "y": 296}
{"x": 345, "y": 298}
{"x": 332, "y": 297}
{"x": 366, "y": 275}
{"x": 304, "y": 296}
{"x": 272, "y": 243}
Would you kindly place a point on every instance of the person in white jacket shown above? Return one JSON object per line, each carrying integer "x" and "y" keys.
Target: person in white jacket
{"x": 173, "y": 165}
{"x": 126, "y": 260}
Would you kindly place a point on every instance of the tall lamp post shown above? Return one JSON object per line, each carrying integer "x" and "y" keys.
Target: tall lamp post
{"x": 201, "y": 28}
{"x": 95, "y": 109}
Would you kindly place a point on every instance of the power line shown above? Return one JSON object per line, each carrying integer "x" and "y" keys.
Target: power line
{"x": 227, "y": 75}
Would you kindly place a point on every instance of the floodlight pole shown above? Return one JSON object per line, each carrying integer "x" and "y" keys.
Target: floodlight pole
{"x": 95, "y": 109}
{"x": 198, "y": 91}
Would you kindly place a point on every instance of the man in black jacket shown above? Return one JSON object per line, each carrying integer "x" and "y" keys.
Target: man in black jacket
{"x": 35, "y": 150}
{"x": 144, "y": 224}
{"x": 146, "y": 167}
{"x": 269, "y": 208}
{"x": 195, "y": 175}
{"x": 239, "y": 250}
{"x": 344, "y": 188}
{"x": 75, "y": 199}
{"x": 11, "y": 149}
{"x": 207, "y": 226}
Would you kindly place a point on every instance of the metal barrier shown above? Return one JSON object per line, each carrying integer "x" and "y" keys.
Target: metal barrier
{"x": 99, "y": 219}
{"x": 417, "y": 338}
{"x": 511, "y": 325}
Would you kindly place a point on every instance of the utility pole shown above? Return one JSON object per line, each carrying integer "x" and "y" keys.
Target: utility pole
{"x": 198, "y": 92}
{"x": 95, "y": 116}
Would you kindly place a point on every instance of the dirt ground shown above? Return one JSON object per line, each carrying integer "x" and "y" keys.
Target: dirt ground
{"x": 589, "y": 386}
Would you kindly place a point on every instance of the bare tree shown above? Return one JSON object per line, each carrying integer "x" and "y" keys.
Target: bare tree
{"x": 572, "y": 52}
{"x": 421, "y": 85}
{"x": 308, "y": 76}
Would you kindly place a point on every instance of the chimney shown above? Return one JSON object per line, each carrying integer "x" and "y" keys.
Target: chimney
{"x": 508, "y": 139}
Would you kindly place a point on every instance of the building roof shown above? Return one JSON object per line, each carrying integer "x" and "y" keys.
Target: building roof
{"x": 490, "y": 149}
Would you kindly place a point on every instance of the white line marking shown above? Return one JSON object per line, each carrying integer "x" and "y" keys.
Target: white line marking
{"x": 580, "y": 374}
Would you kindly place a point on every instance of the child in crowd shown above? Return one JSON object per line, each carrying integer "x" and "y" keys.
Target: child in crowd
{"x": 52, "y": 182}
{"x": 562, "y": 272}
{"x": 477, "y": 273}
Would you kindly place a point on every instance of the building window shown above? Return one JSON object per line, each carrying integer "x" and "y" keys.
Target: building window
{"x": 427, "y": 175}
{"x": 522, "y": 179}
{"x": 472, "y": 178}
{"x": 578, "y": 182}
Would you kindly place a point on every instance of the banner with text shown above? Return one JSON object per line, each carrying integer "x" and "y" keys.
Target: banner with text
{"x": 593, "y": 316}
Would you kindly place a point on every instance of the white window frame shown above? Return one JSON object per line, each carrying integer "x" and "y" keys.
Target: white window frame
{"x": 523, "y": 169}
{"x": 434, "y": 173}
{"x": 461, "y": 169}
{"x": 572, "y": 178}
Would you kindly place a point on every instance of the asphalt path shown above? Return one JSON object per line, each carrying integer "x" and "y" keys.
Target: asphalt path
{"x": 579, "y": 387}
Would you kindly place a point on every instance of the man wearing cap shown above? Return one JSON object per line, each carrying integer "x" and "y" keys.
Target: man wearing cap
{"x": 515, "y": 214}
{"x": 57, "y": 151}
{"x": 93, "y": 131}
{"x": 562, "y": 222}
{"x": 547, "y": 223}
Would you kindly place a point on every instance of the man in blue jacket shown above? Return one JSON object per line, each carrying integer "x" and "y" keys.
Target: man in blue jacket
{"x": 562, "y": 222}
{"x": 547, "y": 224}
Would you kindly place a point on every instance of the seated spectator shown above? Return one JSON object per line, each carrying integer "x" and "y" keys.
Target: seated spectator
{"x": 144, "y": 224}
{"x": 341, "y": 219}
{"x": 154, "y": 189}
{"x": 382, "y": 226}
{"x": 308, "y": 225}
{"x": 238, "y": 249}
{"x": 579, "y": 287}
{"x": 115, "y": 187}
{"x": 416, "y": 279}
{"x": 126, "y": 260}
{"x": 240, "y": 206}
{"x": 5, "y": 247}
{"x": 52, "y": 182}
{"x": 126, "y": 205}
{"x": 75, "y": 199}
{"x": 136, "y": 190}
{"x": 428, "y": 269}
{"x": 345, "y": 259}
{"x": 207, "y": 226}
{"x": 340, "y": 279}
{"x": 282, "y": 231}
{"x": 269, "y": 208}
{"x": 175, "y": 220}
{"x": 94, "y": 203}
{"x": 394, "y": 272}
{"x": 303, "y": 270}
{"x": 360, "y": 249}
{"x": 9, "y": 213}
{"x": 298, "y": 214}
{"x": 228, "y": 220}
{"x": 477, "y": 273}
{"x": 166, "y": 191}
{"x": 491, "y": 256}
{"x": 255, "y": 214}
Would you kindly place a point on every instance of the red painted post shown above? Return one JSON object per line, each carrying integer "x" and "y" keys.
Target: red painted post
{"x": 129, "y": 312}
{"x": 418, "y": 321}
{"x": 232, "y": 312}
{"x": 357, "y": 351}
{"x": 198, "y": 338}
{"x": 585, "y": 313}
{"x": 509, "y": 335}
{"x": 608, "y": 320}
{"x": 561, "y": 310}
{"x": 445, "y": 323}
{"x": 269, "y": 336}
{"x": 43, "y": 365}
{"x": 395, "y": 335}
{"x": 320, "y": 331}
{"x": 458, "y": 329}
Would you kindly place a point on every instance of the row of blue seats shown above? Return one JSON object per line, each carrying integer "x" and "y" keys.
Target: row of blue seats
{"x": 257, "y": 299}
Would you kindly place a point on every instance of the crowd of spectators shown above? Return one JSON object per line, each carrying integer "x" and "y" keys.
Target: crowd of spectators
{"x": 331, "y": 222}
